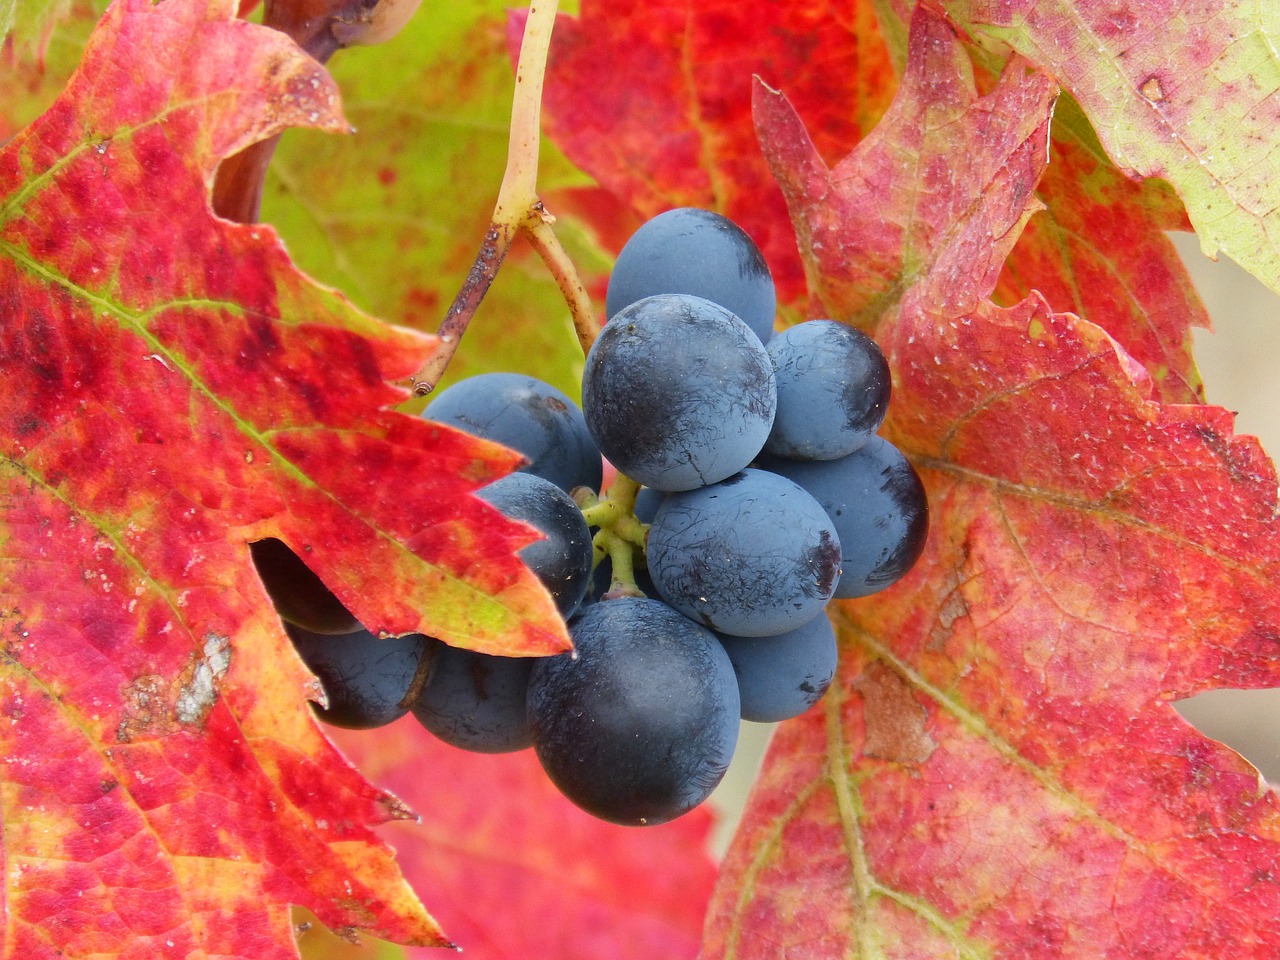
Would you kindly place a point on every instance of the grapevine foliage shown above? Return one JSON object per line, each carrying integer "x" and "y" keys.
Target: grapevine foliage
{"x": 997, "y": 769}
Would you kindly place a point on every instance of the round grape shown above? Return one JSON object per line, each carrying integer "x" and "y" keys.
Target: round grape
{"x": 639, "y": 724}
{"x": 529, "y": 416}
{"x": 699, "y": 252}
{"x": 877, "y": 503}
{"x": 477, "y": 702}
{"x": 647, "y": 502}
{"x": 369, "y": 681}
{"x": 754, "y": 555}
{"x": 562, "y": 561}
{"x": 678, "y": 393}
{"x": 299, "y": 596}
{"x": 833, "y": 390}
{"x": 781, "y": 677}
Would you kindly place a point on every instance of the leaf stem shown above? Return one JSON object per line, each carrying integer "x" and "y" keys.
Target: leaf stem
{"x": 585, "y": 323}
{"x": 622, "y": 565}
{"x": 519, "y": 190}
{"x": 518, "y": 210}
{"x": 479, "y": 278}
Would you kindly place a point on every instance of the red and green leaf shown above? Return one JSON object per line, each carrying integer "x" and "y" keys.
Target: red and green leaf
{"x": 1099, "y": 250}
{"x": 654, "y": 101}
{"x": 177, "y": 389}
{"x": 28, "y": 24}
{"x": 999, "y": 770}
{"x": 983, "y": 777}
{"x": 395, "y": 214}
{"x": 1177, "y": 90}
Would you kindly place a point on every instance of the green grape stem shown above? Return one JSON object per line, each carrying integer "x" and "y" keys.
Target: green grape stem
{"x": 620, "y": 534}
{"x": 622, "y": 561}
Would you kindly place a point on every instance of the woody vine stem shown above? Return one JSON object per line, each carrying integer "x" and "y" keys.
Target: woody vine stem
{"x": 517, "y": 211}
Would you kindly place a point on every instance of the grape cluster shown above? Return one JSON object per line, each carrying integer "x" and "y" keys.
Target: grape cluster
{"x": 752, "y": 490}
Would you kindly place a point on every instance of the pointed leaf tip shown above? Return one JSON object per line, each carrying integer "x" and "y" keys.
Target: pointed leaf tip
{"x": 177, "y": 388}
{"x": 1186, "y": 96}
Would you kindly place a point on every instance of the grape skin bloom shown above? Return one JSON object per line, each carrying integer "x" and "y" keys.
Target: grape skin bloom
{"x": 878, "y": 505}
{"x": 699, "y": 252}
{"x": 783, "y": 676}
{"x": 528, "y": 415}
{"x": 678, "y": 393}
{"x": 639, "y": 724}
{"x": 833, "y": 390}
{"x": 561, "y": 561}
{"x": 752, "y": 556}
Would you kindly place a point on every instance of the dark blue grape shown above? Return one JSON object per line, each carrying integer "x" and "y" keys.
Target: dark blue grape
{"x": 781, "y": 677}
{"x": 299, "y": 596}
{"x": 529, "y": 416}
{"x": 369, "y": 681}
{"x": 563, "y": 560}
{"x": 751, "y": 556}
{"x": 477, "y": 702}
{"x": 833, "y": 390}
{"x": 877, "y": 503}
{"x": 699, "y": 252}
{"x": 678, "y": 393}
{"x": 647, "y": 502}
{"x": 639, "y": 726}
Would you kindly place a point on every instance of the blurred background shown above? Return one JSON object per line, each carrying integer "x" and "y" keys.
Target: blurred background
{"x": 1240, "y": 363}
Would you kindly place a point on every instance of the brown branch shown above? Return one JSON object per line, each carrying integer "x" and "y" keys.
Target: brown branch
{"x": 585, "y": 322}
{"x": 479, "y": 278}
{"x": 518, "y": 209}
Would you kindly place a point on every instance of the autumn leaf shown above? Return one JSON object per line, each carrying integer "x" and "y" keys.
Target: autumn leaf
{"x": 27, "y": 24}
{"x": 1185, "y": 92}
{"x": 176, "y": 389}
{"x": 998, "y": 770}
{"x": 525, "y": 873}
{"x": 29, "y": 81}
{"x": 1100, "y": 249}
{"x": 394, "y": 215}
{"x": 654, "y": 100}
{"x": 1099, "y": 246}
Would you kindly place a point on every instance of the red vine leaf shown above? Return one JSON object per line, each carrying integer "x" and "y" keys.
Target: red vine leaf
{"x": 1185, "y": 92}
{"x": 527, "y": 874}
{"x": 654, "y": 99}
{"x": 174, "y": 390}
{"x": 1099, "y": 249}
{"x": 941, "y": 159}
{"x": 998, "y": 770}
